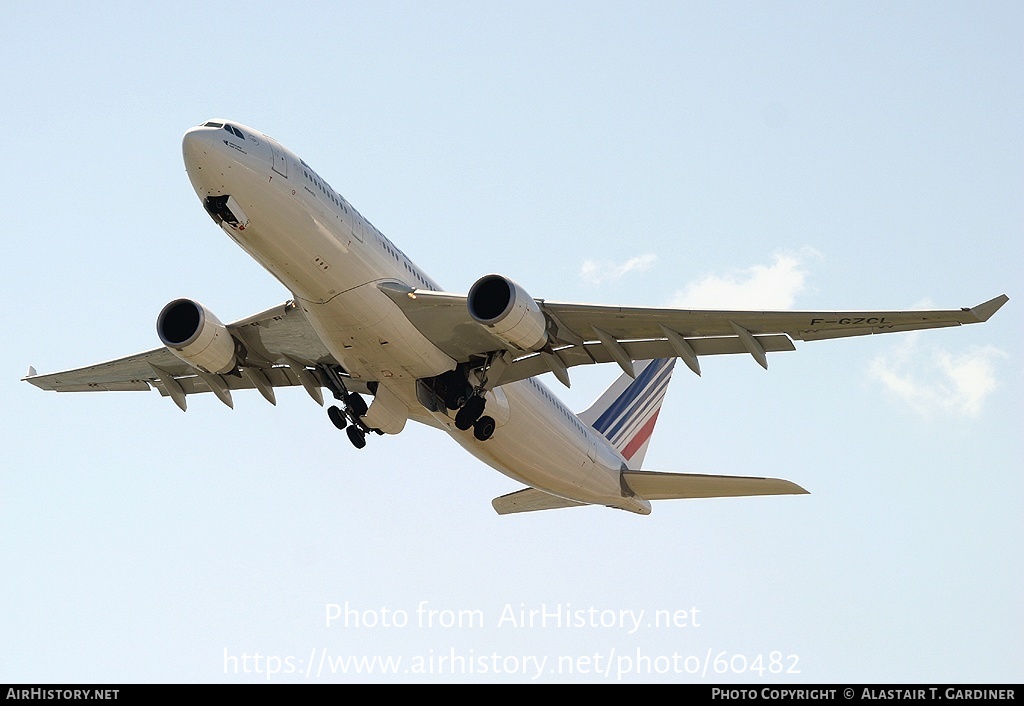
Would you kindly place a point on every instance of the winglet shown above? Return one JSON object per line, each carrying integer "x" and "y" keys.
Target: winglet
{"x": 31, "y": 373}
{"x": 983, "y": 312}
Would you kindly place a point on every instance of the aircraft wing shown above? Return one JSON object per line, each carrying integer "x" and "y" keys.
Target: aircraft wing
{"x": 582, "y": 334}
{"x": 279, "y": 344}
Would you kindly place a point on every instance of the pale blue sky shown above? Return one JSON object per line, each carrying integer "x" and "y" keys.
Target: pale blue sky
{"x": 801, "y": 155}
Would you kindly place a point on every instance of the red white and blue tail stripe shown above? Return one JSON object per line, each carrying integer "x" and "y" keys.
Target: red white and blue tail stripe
{"x": 627, "y": 411}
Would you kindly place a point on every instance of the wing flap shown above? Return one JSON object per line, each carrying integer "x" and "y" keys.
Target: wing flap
{"x": 193, "y": 384}
{"x": 530, "y": 500}
{"x": 126, "y": 386}
{"x": 849, "y": 332}
{"x": 652, "y": 485}
{"x": 589, "y": 353}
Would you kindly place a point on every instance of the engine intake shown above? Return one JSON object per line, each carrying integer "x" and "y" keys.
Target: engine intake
{"x": 192, "y": 333}
{"x": 508, "y": 312}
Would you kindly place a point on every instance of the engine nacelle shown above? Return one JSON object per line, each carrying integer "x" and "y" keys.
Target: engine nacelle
{"x": 508, "y": 312}
{"x": 191, "y": 332}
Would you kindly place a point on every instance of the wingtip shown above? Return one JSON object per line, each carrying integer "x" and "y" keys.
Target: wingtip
{"x": 788, "y": 487}
{"x": 983, "y": 312}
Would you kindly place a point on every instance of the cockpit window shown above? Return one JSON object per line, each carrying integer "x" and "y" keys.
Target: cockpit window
{"x": 213, "y": 124}
{"x": 234, "y": 131}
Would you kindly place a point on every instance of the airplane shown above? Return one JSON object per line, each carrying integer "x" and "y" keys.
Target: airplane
{"x": 364, "y": 321}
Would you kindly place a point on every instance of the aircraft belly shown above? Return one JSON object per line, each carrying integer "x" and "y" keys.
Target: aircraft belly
{"x": 548, "y": 456}
{"x": 372, "y": 339}
{"x": 309, "y": 256}
{"x": 312, "y": 254}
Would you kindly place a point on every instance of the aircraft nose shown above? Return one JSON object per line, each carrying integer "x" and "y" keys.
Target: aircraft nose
{"x": 196, "y": 143}
{"x": 203, "y": 159}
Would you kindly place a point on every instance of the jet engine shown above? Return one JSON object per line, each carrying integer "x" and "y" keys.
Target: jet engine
{"x": 191, "y": 332}
{"x": 508, "y": 312}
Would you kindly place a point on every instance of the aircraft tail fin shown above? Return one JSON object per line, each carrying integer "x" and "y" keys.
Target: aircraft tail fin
{"x": 626, "y": 412}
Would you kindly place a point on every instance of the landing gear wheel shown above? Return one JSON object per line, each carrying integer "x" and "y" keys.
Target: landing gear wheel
{"x": 337, "y": 417}
{"x": 356, "y": 436}
{"x": 356, "y": 404}
{"x": 470, "y": 412}
{"x": 483, "y": 428}
{"x": 455, "y": 400}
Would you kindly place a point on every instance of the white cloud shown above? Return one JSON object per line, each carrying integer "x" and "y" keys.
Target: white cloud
{"x": 594, "y": 272}
{"x": 933, "y": 380}
{"x": 773, "y": 286}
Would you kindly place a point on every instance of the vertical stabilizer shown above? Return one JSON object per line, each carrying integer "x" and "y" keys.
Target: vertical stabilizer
{"x": 626, "y": 412}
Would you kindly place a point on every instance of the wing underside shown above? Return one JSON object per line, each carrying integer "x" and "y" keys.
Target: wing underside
{"x": 279, "y": 348}
{"x": 582, "y": 334}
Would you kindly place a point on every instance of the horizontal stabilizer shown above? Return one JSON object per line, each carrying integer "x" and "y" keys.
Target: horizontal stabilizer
{"x": 530, "y": 500}
{"x": 652, "y": 485}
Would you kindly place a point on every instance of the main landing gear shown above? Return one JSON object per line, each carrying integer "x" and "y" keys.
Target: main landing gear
{"x": 350, "y": 415}
{"x": 349, "y": 418}
{"x": 472, "y": 415}
{"x": 470, "y": 412}
{"x": 455, "y": 391}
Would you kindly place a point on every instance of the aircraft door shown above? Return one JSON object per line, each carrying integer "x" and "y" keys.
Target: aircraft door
{"x": 280, "y": 160}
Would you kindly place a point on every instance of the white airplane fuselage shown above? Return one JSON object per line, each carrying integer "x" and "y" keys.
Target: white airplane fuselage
{"x": 332, "y": 259}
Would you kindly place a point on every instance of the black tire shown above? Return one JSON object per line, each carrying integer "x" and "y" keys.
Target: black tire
{"x": 356, "y": 404}
{"x": 475, "y": 405}
{"x": 469, "y": 413}
{"x": 356, "y": 436}
{"x": 337, "y": 417}
{"x": 455, "y": 400}
{"x": 483, "y": 429}
{"x": 463, "y": 420}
